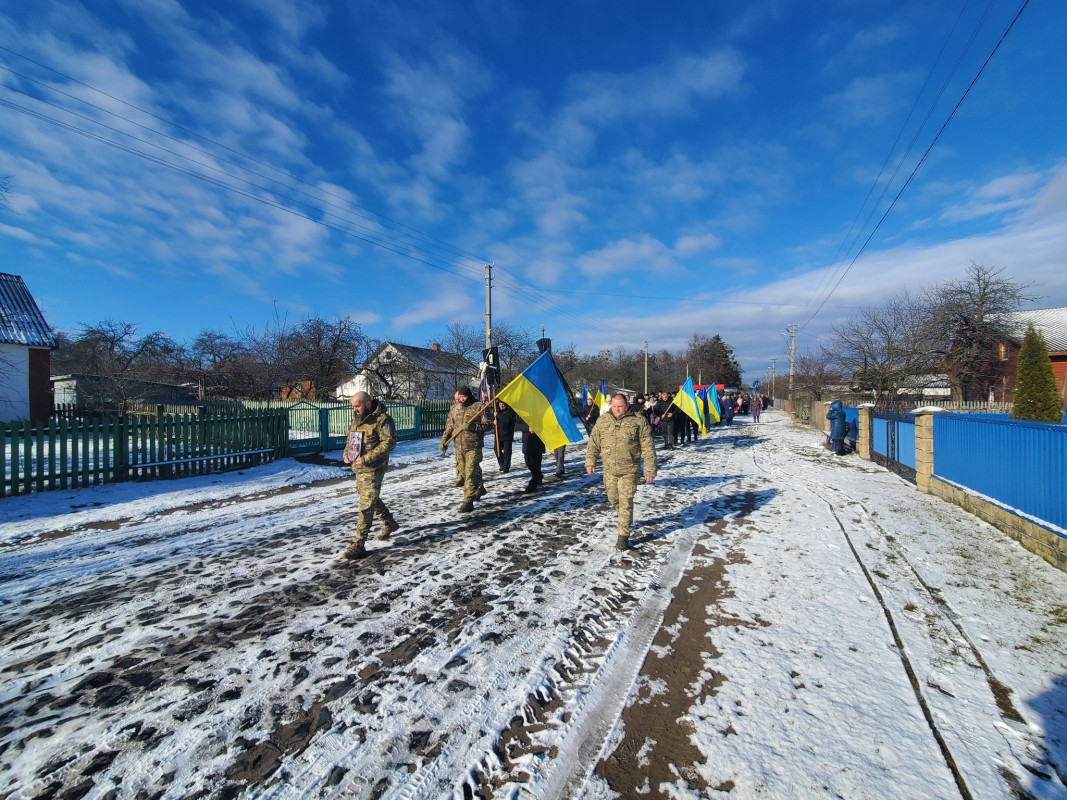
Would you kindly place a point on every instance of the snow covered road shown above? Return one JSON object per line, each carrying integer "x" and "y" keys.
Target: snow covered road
{"x": 789, "y": 625}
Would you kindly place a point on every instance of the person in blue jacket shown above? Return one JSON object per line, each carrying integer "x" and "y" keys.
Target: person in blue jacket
{"x": 838, "y": 427}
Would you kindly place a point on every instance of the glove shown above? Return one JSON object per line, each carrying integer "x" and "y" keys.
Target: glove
{"x": 444, "y": 447}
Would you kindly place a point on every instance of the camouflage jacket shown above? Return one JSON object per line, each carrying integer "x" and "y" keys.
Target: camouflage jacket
{"x": 622, "y": 444}
{"x": 379, "y": 438}
{"x": 471, "y": 433}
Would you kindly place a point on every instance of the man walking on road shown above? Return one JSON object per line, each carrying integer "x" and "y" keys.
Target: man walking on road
{"x": 371, "y": 437}
{"x": 622, "y": 439}
{"x": 469, "y": 435}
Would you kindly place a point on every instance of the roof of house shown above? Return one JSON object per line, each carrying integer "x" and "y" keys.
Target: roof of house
{"x": 21, "y": 321}
{"x": 1051, "y": 323}
{"x": 428, "y": 359}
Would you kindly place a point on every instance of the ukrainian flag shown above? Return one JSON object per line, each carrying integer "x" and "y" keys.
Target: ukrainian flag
{"x": 537, "y": 395}
{"x": 686, "y": 400}
{"x": 713, "y": 401}
{"x": 711, "y": 405}
{"x": 585, "y": 396}
{"x": 600, "y": 399}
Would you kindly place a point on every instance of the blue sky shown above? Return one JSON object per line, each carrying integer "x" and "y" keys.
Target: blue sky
{"x": 635, "y": 171}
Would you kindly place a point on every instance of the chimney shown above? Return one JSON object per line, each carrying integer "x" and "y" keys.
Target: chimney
{"x": 436, "y": 347}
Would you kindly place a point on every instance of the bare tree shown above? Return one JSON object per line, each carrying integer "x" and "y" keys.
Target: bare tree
{"x": 517, "y": 348}
{"x": 967, "y": 325}
{"x": 466, "y": 343}
{"x": 119, "y": 358}
{"x": 318, "y": 354}
{"x": 886, "y": 348}
{"x": 814, "y": 374}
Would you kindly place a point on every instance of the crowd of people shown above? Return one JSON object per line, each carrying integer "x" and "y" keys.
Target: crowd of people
{"x": 621, "y": 440}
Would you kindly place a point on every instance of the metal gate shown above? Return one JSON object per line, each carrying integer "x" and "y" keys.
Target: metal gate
{"x": 893, "y": 441}
{"x": 317, "y": 428}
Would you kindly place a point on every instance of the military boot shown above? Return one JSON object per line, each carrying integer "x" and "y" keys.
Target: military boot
{"x": 356, "y": 550}
{"x": 478, "y": 495}
{"x": 459, "y": 482}
{"x": 388, "y": 526}
{"x": 467, "y": 507}
{"x": 622, "y": 543}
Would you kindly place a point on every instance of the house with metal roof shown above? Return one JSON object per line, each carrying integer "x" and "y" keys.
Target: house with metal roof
{"x": 1051, "y": 323}
{"x": 26, "y": 345}
{"x": 404, "y": 372}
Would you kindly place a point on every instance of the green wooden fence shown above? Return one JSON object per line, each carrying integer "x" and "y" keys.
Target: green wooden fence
{"x": 71, "y": 453}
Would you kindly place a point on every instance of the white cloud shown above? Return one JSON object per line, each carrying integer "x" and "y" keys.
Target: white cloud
{"x": 644, "y": 253}
{"x": 445, "y": 304}
{"x": 21, "y": 234}
{"x": 870, "y": 99}
{"x": 691, "y": 245}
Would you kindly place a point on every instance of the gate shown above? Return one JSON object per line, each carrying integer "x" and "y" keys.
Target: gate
{"x": 316, "y": 428}
{"x": 893, "y": 439}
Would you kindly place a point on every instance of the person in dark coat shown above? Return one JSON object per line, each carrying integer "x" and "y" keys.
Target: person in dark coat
{"x": 533, "y": 450}
{"x": 755, "y": 406}
{"x": 666, "y": 412}
{"x": 838, "y": 427}
{"x": 591, "y": 412}
{"x": 728, "y": 410}
{"x": 505, "y": 435}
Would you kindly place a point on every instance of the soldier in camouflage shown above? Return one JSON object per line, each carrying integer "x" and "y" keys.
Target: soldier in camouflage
{"x": 469, "y": 428}
{"x": 622, "y": 439}
{"x": 371, "y": 437}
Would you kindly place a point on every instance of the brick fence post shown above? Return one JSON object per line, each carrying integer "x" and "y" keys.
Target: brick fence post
{"x": 924, "y": 449}
{"x": 863, "y": 443}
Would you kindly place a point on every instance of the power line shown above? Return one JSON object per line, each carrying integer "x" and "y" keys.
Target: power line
{"x": 921, "y": 161}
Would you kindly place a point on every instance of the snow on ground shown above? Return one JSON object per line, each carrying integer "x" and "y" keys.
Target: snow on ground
{"x": 789, "y": 624}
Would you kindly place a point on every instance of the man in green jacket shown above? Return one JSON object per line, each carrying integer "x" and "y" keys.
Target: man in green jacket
{"x": 371, "y": 437}
{"x": 622, "y": 439}
{"x": 467, "y": 427}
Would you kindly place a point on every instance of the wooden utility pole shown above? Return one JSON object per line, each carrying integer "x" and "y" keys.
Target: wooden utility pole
{"x": 488, "y": 306}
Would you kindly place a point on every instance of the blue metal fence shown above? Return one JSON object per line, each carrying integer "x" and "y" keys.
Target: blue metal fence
{"x": 1022, "y": 465}
{"x": 893, "y": 443}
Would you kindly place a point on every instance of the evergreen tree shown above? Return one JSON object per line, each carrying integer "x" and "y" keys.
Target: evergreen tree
{"x": 1035, "y": 385}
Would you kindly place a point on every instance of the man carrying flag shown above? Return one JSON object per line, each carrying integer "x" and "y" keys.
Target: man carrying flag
{"x": 467, "y": 424}
{"x": 591, "y": 410}
{"x": 622, "y": 439}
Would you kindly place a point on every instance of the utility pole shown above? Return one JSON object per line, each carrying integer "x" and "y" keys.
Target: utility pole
{"x": 646, "y": 369}
{"x": 792, "y": 353}
{"x": 488, "y": 306}
{"x": 773, "y": 361}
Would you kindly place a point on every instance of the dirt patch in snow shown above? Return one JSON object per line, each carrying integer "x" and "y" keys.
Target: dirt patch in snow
{"x": 656, "y": 751}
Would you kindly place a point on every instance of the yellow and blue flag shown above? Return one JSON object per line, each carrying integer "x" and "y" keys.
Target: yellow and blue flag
{"x": 585, "y": 395}
{"x": 600, "y": 399}
{"x": 713, "y": 401}
{"x": 686, "y": 400}
{"x": 710, "y": 405}
{"x": 538, "y": 396}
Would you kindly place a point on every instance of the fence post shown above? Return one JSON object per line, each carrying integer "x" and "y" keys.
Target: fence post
{"x": 924, "y": 449}
{"x": 324, "y": 430}
{"x": 863, "y": 444}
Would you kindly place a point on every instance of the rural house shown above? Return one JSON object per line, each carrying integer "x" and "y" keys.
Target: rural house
{"x": 1051, "y": 323}
{"x": 404, "y": 372}
{"x": 26, "y": 345}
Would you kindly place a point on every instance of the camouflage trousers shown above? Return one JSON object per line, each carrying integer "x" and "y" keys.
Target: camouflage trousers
{"x": 369, "y": 486}
{"x": 469, "y": 467}
{"x": 621, "y": 490}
